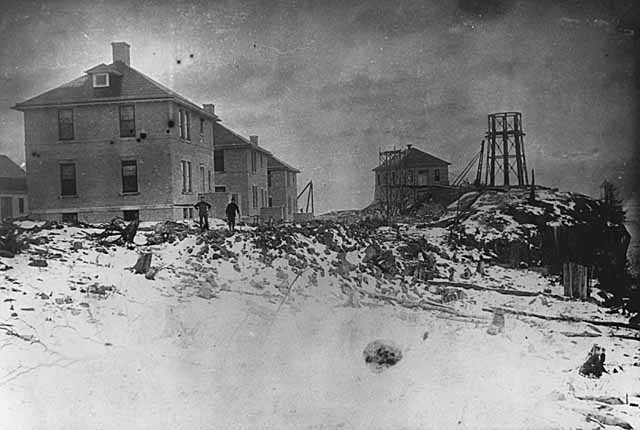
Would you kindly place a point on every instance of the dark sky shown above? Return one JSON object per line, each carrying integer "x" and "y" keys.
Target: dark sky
{"x": 326, "y": 84}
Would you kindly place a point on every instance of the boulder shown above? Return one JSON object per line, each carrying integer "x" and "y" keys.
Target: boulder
{"x": 381, "y": 354}
{"x": 593, "y": 367}
{"x": 205, "y": 292}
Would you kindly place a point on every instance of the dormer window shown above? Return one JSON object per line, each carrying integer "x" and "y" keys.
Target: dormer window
{"x": 100, "y": 80}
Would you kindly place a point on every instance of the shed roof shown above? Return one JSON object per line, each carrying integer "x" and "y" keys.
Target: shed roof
{"x": 9, "y": 169}
{"x": 225, "y": 138}
{"x": 274, "y": 163}
{"x": 413, "y": 157}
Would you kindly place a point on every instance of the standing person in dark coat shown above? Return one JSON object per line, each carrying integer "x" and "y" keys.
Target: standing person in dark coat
{"x": 203, "y": 213}
{"x": 232, "y": 209}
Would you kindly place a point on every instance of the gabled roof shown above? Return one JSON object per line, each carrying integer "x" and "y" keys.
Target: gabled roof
{"x": 103, "y": 68}
{"x": 134, "y": 85}
{"x": 225, "y": 138}
{"x": 9, "y": 169}
{"x": 274, "y": 163}
{"x": 413, "y": 157}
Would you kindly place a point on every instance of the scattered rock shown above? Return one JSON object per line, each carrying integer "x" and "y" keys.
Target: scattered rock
{"x": 63, "y": 300}
{"x": 381, "y": 354}
{"x": 609, "y": 400}
{"x": 38, "y": 263}
{"x": 497, "y": 325}
{"x": 206, "y": 293}
{"x": 608, "y": 420}
{"x": 256, "y": 284}
{"x": 593, "y": 367}
{"x": 144, "y": 263}
{"x": 635, "y": 320}
{"x": 451, "y": 294}
{"x": 152, "y": 272}
{"x": 100, "y": 290}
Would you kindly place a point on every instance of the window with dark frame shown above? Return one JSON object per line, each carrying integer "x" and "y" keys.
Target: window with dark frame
{"x": 253, "y": 162}
{"x": 209, "y": 178}
{"x": 220, "y": 189}
{"x": 68, "y": 179}
{"x": 100, "y": 80}
{"x": 65, "y": 124}
{"x": 201, "y": 125}
{"x": 129, "y": 176}
{"x": 185, "y": 213}
{"x": 181, "y": 123}
{"x": 21, "y": 205}
{"x": 131, "y": 215}
{"x": 187, "y": 125}
{"x": 70, "y": 218}
{"x": 186, "y": 176}
{"x": 202, "y": 180}
{"x": 268, "y": 179}
{"x": 189, "y": 176}
{"x": 218, "y": 160}
{"x": 127, "y": 121}
{"x": 436, "y": 175}
{"x": 254, "y": 195}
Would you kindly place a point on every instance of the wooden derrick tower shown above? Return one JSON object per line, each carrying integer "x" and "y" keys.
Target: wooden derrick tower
{"x": 504, "y": 151}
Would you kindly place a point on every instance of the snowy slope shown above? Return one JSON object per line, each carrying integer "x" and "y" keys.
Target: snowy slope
{"x": 279, "y": 343}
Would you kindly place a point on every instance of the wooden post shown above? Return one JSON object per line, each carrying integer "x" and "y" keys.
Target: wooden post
{"x": 575, "y": 278}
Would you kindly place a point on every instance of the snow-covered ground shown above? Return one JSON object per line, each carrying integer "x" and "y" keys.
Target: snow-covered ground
{"x": 86, "y": 343}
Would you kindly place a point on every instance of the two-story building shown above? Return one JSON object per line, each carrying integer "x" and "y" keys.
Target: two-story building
{"x": 410, "y": 174}
{"x": 13, "y": 189}
{"x": 114, "y": 142}
{"x": 282, "y": 189}
{"x": 240, "y": 166}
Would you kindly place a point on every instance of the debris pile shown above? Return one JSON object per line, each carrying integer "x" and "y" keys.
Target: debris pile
{"x": 167, "y": 231}
{"x": 125, "y": 232}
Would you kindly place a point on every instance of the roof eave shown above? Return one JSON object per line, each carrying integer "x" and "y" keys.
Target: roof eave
{"x": 23, "y": 106}
{"x": 242, "y": 145}
{"x": 192, "y": 105}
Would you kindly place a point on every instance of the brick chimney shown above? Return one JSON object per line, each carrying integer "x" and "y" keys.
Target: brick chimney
{"x": 253, "y": 140}
{"x": 409, "y": 146}
{"x": 121, "y": 52}
{"x": 211, "y": 108}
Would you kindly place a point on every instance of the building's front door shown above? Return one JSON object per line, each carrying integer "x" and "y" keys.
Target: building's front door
{"x": 6, "y": 208}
